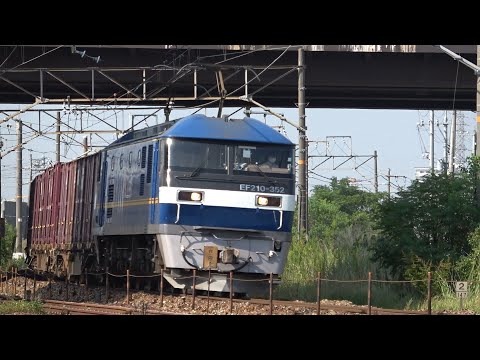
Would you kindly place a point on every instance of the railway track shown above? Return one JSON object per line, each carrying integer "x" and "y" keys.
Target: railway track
{"x": 73, "y": 308}
{"x": 353, "y": 309}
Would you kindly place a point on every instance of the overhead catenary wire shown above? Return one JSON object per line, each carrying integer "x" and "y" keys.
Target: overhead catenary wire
{"x": 69, "y": 140}
{"x": 26, "y": 62}
{"x": 8, "y": 57}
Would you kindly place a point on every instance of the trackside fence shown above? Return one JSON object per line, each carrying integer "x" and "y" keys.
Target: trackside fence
{"x": 10, "y": 285}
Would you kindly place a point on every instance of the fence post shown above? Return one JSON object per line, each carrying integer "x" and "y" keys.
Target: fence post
{"x": 369, "y": 293}
{"x": 50, "y": 286}
{"x": 271, "y": 294}
{"x": 34, "y": 283}
{"x": 429, "y": 294}
{"x": 113, "y": 287}
{"x": 128, "y": 286}
{"x": 231, "y": 292}
{"x": 14, "y": 282}
{"x": 25, "y": 284}
{"x": 106, "y": 284}
{"x": 6, "y": 281}
{"x": 208, "y": 290}
{"x": 86, "y": 283}
{"x": 319, "y": 280}
{"x": 161, "y": 287}
{"x": 13, "y": 287}
{"x": 193, "y": 288}
{"x": 66, "y": 287}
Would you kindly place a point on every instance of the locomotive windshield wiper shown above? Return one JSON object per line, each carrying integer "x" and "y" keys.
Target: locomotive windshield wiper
{"x": 194, "y": 172}
{"x": 265, "y": 175}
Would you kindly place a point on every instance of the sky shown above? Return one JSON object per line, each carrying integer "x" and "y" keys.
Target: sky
{"x": 394, "y": 134}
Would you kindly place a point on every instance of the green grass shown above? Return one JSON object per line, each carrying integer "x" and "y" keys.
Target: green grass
{"x": 23, "y": 307}
{"x": 451, "y": 303}
{"x": 344, "y": 260}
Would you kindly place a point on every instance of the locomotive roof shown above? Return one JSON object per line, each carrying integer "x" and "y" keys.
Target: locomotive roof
{"x": 211, "y": 128}
{"x": 246, "y": 130}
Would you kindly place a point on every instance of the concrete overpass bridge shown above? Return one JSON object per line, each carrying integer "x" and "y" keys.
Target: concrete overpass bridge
{"x": 336, "y": 76}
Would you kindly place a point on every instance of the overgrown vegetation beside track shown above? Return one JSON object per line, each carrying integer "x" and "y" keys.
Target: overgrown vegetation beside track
{"x": 432, "y": 225}
{"x": 21, "y": 307}
{"x": 6, "y": 245}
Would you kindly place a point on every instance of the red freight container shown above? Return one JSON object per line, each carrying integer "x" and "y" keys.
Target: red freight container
{"x": 61, "y": 201}
{"x": 86, "y": 170}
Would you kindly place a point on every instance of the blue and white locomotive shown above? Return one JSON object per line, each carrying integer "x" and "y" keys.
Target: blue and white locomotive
{"x": 211, "y": 194}
{"x": 195, "y": 195}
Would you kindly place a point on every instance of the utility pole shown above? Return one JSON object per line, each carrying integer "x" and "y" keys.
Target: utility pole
{"x": 301, "y": 143}
{"x": 31, "y": 167}
{"x": 85, "y": 145}
{"x": 18, "y": 213}
{"x": 478, "y": 101}
{"x": 453, "y": 135}
{"x": 1, "y": 148}
{"x": 476, "y": 69}
{"x": 375, "y": 168}
{"x": 445, "y": 146}
{"x": 388, "y": 177}
{"x": 474, "y": 142}
{"x": 432, "y": 142}
{"x": 306, "y": 187}
{"x": 58, "y": 137}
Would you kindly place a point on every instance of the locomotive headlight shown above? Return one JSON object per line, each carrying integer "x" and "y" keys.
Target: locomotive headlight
{"x": 262, "y": 201}
{"x": 268, "y": 200}
{"x": 190, "y": 196}
{"x": 195, "y": 196}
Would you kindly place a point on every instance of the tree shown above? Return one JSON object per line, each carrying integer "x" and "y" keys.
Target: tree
{"x": 429, "y": 222}
{"x": 6, "y": 245}
{"x": 339, "y": 206}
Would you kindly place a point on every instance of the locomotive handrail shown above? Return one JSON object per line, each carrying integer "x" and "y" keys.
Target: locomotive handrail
{"x": 178, "y": 213}
{"x": 281, "y": 219}
{"x": 252, "y": 235}
{"x": 216, "y": 237}
{"x": 210, "y": 229}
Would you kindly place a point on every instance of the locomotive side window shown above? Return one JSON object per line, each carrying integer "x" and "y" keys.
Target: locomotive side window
{"x": 99, "y": 169}
{"x": 149, "y": 164}
{"x": 110, "y": 193}
{"x": 142, "y": 185}
{"x": 130, "y": 156}
{"x": 144, "y": 156}
{"x": 113, "y": 163}
{"x": 121, "y": 162}
{"x": 139, "y": 157}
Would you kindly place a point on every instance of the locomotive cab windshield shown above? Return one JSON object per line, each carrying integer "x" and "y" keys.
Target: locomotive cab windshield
{"x": 193, "y": 157}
